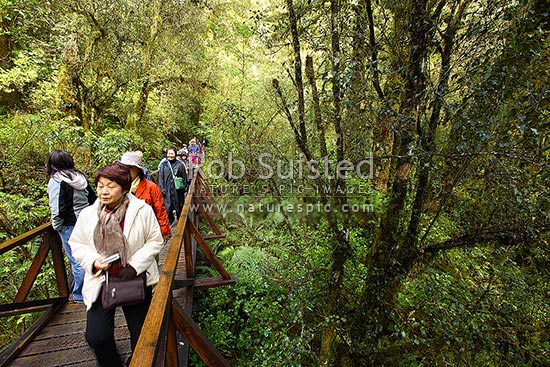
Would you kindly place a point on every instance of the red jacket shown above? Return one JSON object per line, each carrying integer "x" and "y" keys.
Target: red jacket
{"x": 151, "y": 194}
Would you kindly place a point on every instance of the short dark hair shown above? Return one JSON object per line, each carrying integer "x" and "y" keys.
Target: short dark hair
{"x": 59, "y": 160}
{"x": 116, "y": 172}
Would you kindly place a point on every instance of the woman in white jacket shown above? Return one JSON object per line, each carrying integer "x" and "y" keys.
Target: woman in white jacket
{"x": 117, "y": 222}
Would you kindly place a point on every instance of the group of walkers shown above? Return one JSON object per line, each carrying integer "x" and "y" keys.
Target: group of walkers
{"x": 130, "y": 216}
{"x": 177, "y": 167}
{"x": 194, "y": 153}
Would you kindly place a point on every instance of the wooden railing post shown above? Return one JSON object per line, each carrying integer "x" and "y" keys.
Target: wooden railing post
{"x": 50, "y": 240}
{"x": 188, "y": 248}
{"x": 208, "y": 252}
{"x": 32, "y": 273}
{"x": 146, "y": 351}
{"x": 171, "y": 359}
{"x": 204, "y": 348}
{"x": 55, "y": 244}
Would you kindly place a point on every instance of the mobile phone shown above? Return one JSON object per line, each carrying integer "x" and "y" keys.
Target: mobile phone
{"x": 110, "y": 259}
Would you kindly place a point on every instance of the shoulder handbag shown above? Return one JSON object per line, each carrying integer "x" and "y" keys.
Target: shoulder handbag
{"x": 118, "y": 292}
{"x": 178, "y": 181}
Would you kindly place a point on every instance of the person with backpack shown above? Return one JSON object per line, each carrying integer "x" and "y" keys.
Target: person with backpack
{"x": 68, "y": 192}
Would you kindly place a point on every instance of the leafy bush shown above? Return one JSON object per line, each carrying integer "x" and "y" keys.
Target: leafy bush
{"x": 469, "y": 309}
{"x": 262, "y": 320}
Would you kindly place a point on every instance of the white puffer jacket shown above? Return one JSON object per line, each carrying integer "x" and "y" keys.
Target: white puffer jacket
{"x": 142, "y": 231}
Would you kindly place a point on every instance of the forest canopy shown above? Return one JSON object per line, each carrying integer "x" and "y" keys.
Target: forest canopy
{"x": 383, "y": 166}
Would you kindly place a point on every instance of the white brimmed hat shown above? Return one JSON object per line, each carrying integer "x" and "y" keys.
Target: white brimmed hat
{"x": 131, "y": 159}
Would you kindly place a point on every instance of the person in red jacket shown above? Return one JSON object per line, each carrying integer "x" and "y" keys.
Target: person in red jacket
{"x": 146, "y": 190}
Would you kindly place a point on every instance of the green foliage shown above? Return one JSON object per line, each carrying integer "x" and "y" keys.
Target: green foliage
{"x": 268, "y": 318}
{"x": 250, "y": 318}
{"x": 63, "y": 134}
{"x": 98, "y": 78}
{"x": 24, "y": 71}
{"x": 18, "y": 212}
{"x": 23, "y": 154}
{"x": 113, "y": 142}
{"x": 468, "y": 308}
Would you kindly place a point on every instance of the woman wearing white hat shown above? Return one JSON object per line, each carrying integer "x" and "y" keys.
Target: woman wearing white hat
{"x": 146, "y": 190}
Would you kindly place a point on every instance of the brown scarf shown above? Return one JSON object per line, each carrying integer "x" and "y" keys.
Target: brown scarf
{"x": 108, "y": 236}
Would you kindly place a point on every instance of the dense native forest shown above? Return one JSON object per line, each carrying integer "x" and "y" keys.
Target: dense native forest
{"x": 381, "y": 167}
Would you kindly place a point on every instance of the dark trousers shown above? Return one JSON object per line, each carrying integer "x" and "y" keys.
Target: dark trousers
{"x": 100, "y": 329}
{"x": 176, "y": 204}
{"x": 181, "y": 201}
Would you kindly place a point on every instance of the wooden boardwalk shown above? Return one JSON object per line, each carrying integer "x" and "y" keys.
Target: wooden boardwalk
{"x": 56, "y": 338}
{"x": 61, "y": 342}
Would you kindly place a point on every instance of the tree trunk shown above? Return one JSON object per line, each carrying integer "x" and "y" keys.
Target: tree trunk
{"x": 298, "y": 81}
{"x": 341, "y": 250}
{"x": 13, "y": 97}
{"x": 68, "y": 85}
{"x": 356, "y": 126}
{"x": 427, "y": 134}
{"x": 383, "y": 138}
{"x": 141, "y": 103}
{"x": 393, "y": 254}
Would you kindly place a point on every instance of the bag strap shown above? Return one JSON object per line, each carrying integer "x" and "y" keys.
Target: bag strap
{"x": 173, "y": 174}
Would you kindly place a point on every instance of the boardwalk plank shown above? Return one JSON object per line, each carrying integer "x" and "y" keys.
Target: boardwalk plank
{"x": 62, "y": 343}
{"x": 71, "y": 341}
{"x": 74, "y": 357}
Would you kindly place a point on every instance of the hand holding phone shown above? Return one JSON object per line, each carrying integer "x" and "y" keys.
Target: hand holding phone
{"x": 110, "y": 259}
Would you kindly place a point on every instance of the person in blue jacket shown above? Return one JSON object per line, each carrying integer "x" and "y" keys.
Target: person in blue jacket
{"x": 69, "y": 192}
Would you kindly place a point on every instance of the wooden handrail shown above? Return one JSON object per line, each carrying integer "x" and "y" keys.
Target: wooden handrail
{"x": 24, "y": 238}
{"x": 146, "y": 350}
{"x": 50, "y": 241}
{"x": 166, "y": 315}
